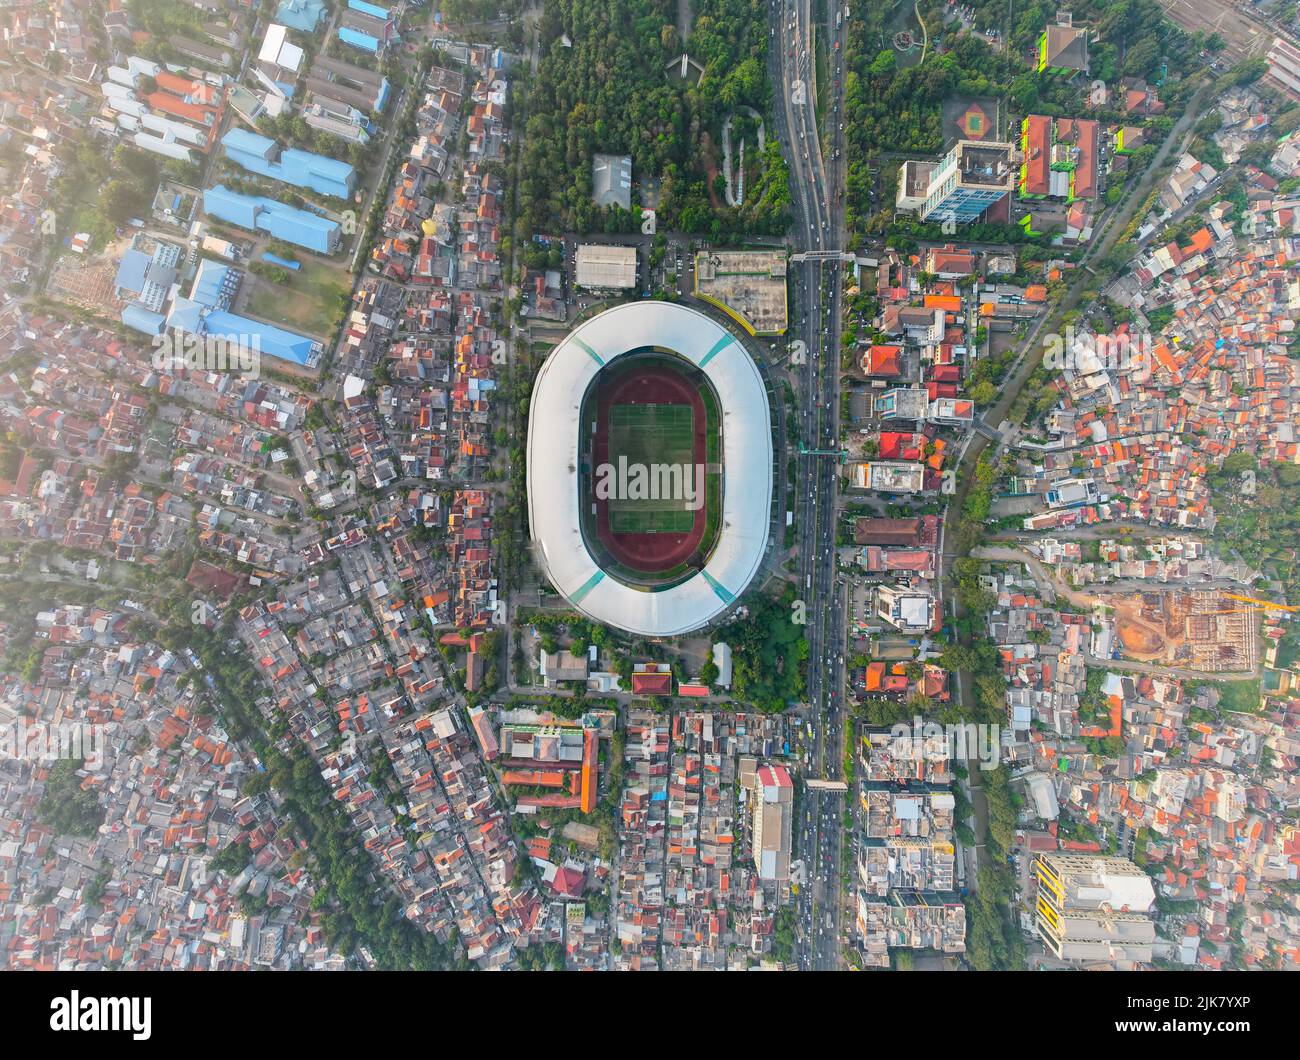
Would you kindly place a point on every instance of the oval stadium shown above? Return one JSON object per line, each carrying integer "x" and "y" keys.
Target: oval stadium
{"x": 650, "y": 468}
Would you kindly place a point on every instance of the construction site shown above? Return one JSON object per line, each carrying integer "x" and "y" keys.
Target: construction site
{"x": 1195, "y": 629}
{"x": 747, "y": 285}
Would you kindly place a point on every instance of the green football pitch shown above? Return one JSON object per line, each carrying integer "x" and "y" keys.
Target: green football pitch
{"x": 651, "y": 435}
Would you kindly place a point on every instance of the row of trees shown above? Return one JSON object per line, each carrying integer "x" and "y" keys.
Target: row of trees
{"x": 355, "y": 911}
{"x": 993, "y": 940}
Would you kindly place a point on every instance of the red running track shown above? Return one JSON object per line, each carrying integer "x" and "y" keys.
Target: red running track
{"x": 649, "y": 553}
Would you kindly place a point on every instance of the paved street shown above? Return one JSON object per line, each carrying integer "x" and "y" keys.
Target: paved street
{"x": 816, "y": 186}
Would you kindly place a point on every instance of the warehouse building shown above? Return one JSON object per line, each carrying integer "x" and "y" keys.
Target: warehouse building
{"x": 289, "y": 165}
{"x": 259, "y": 214}
{"x": 605, "y": 267}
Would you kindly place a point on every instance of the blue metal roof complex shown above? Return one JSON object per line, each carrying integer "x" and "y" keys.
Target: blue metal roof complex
{"x": 206, "y": 312}
{"x": 215, "y": 284}
{"x": 136, "y": 316}
{"x": 261, "y": 214}
{"x": 194, "y": 318}
{"x": 358, "y": 39}
{"x": 270, "y": 340}
{"x": 131, "y": 270}
{"x": 369, "y": 9}
{"x": 302, "y": 15}
{"x": 301, "y": 169}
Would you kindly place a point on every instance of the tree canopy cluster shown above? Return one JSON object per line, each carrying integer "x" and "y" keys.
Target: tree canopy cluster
{"x": 1257, "y": 507}
{"x": 769, "y": 653}
{"x": 66, "y": 806}
{"x": 609, "y": 90}
{"x": 106, "y": 193}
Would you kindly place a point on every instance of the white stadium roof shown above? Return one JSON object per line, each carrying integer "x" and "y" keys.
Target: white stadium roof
{"x": 553, "y": 458}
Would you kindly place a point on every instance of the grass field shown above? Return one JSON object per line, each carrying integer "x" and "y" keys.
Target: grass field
{"x": 651, "y": 521}
{"x": 313, "y": 301}
{"x": 650, "y": 435}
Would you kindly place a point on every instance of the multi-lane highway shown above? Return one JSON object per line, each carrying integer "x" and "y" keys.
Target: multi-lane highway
{"x": 815, "y": 189}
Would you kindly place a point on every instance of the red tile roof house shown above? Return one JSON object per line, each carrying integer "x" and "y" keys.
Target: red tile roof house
{"x": 1081, "y": 135}
{"x": 882, "y": 361}
{"x": 1035, "y": 144}
{"x": 879, "y": 531}
{"x": 949, "y": 263}
{"x": 652, "y": 681}
{"x": 904, "y": 446}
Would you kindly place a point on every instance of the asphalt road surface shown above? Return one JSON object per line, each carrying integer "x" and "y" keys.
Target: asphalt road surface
{"x": 816, "y": 183}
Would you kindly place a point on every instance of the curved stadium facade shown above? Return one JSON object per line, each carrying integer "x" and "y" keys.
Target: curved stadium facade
{"x": 649, "y": 381}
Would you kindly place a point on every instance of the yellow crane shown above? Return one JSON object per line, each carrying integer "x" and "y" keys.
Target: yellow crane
{"x": 1256, "y": 605}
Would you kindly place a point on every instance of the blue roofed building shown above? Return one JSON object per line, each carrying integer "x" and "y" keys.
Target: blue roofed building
{"x": 141, "y": 319}
{"x": 361, "y": 29}
{"x": 301, "y": 169}
{"x": 260, "y": 214}
{"x": 302, "y": 15}
{"x": 129, "y": 281}
{"x": 358, "y": 39}
{"x": 145, "y": 276}
{"x": 144, "y": 280}
{"x": 215, "y": 285}
{"x": 267, "y": 338}
{"x": 373, "y": 10}
{"x": 186, "y": 315}
{"x": 206, "y": 312}
{"x": 226, "y": 205}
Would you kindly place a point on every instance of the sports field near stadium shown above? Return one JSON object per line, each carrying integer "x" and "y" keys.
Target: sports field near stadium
{"x": 651, "y": 414}
{"x": 650, "y": 436}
